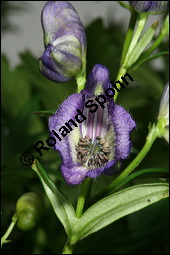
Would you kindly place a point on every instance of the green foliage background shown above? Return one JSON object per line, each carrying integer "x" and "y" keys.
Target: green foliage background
{"x": 25, "y": 90}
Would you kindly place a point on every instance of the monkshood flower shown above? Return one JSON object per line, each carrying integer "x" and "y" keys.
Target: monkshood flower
{"x": 64, "y": 40}
{"x": 164, "y": 111}
{"x": 153, "y": 7}
{"x": 100, "y": 139}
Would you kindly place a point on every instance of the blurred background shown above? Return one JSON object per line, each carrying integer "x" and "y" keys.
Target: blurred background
{"x": 25, "y": 90}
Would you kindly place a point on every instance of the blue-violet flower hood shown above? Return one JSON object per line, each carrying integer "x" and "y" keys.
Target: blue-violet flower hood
{"x": 64, "y": 41}
{"x": 100, "y": 139}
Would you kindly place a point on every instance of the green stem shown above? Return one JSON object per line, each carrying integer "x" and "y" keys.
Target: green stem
{"x": 129, "y": 35}
{"x": 130, "y": 42}
{"x": 126, "y": 6}
{"x": 81, "y": 78}
{"x": 68, "y": 248}
{"x": 142, "y": 18}
{"x": 83, "y": 193}
{"x": 151, "y": 137}
{"x": 9, "y": 230}
{"x": 122, "y": 72}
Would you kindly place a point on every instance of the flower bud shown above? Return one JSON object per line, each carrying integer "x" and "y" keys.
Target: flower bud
{"x": 153, "y": 7}
{"x": 64, "y": 40}
{"x": 29, "y": 209}
{"x": 164, "y": 111}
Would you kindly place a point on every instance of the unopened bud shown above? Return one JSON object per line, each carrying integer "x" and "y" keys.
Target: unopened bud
{"x": 65, "y": 42}
{"x": 152, "y": 7}
{"x": 29, "y": 209}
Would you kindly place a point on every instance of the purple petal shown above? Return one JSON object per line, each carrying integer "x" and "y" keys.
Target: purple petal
{"x": 65, "y": 112}
{"x": 153, "y": 7}
{"x": 98, "y": 75}
{"x": 141, "y": 6}
{"x": 158, "y": 7}
{"x": 123, "y": 124}
{"x": 49, "y": 68}
{"x": 59, "y": 66}
{"x": 51, "y": 75}
{"x": 60, "y": 18}
{"x": 109, "y": 169}
{"x": 73, "y": 174}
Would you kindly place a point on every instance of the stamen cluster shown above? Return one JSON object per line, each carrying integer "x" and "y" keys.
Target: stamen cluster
{"x": 93, "y": 153}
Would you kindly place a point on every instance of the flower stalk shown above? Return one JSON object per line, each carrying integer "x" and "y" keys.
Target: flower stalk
{"x": 129, "y": 44}
{"x": 9, "y": 230}
{"x": 85, "y": 186}
{"x": 68, "y": 248}
{"x": 129, "y": 35}
{"x": 122, "y": 72}
{"x": 142, "y": 18}
{"x": 81, "y": 78}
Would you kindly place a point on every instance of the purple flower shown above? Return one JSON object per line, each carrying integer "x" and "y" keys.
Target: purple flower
{"x": 64, "y": 40}
{"x": 95, "y": 131}
{"x": 153, "y": 7}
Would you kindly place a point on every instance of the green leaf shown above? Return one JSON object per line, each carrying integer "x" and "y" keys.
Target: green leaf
{"x": 44, "y": 113}
{"x": 140, "y": 172}
{"x": 149, "y": 58}
{"x": 62, "y": 207}
{"x": 141, "y": 45}
{"x": 118, "y": 205}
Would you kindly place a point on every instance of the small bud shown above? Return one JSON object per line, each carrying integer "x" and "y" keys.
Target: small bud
{"x": 152, "y": 7}
{"x": 164, "y": 111}
{"x": 155, "y": 25}
{"x": 65, "y": 42}
{"x": 29, "y": 209}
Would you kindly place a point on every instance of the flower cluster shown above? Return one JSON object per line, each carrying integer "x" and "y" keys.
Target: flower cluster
{"x": 97, "y": 143}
